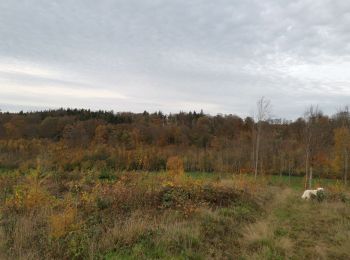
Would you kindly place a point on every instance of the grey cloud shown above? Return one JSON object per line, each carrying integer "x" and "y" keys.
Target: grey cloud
{"x": 217, "y": 55}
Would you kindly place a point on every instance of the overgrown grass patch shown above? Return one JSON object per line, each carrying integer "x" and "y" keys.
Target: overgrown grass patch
{"x": 152, "y": 216}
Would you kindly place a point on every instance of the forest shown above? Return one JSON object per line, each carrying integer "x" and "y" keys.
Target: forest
{"x": 72, "y": 139}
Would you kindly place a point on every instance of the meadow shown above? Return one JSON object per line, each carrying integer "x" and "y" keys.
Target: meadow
{"x": 169, "y": 215}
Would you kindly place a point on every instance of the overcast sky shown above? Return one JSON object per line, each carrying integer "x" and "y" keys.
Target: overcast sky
{"x": 172, "y": 55}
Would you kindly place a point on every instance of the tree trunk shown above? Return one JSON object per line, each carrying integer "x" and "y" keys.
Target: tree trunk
{"x": 253, "y": 150}
{"x": 281, "y": 169}
{"x": 289, "y": 172}
{"x": 257, "y": 151}
{"x": 346, "y": 167}
{"x": 306, "y": 168}
{"x": 310, "y": 178}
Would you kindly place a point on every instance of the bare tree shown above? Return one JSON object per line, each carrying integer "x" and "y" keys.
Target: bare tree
{"x": 263, "y": 113}
{"x": 343, "y": 117}
{"x": 311, "y": 116}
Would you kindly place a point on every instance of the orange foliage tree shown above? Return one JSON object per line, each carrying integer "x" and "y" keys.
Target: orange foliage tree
{"x": 175, "y": 166}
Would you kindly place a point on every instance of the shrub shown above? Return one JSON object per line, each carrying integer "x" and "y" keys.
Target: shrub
{"x": 107, "y": 174}
{"x": 320, "y": 195}
{"x": 175, "y": 166}
{"x": 60, "y": 223}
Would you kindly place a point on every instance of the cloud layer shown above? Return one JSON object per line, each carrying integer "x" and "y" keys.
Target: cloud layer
{"x": 133, "y": 55}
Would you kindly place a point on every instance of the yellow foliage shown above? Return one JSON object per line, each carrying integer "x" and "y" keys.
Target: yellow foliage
{"x": 175, "y": 166}
{"x": 85, "y": 197}
{"x": 168, "y": 184}
{"x": 61, "y": 223}
{"x": 29, "y": 197}
{"x": 16, "y": 201}
{"x": 337, "y": 187}
{"x": 35, "y": 198}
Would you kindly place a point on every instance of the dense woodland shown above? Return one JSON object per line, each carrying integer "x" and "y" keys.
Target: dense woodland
{"x": 79, "y": 140}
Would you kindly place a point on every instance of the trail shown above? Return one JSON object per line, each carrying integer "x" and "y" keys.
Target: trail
{"x": 262, "y": 234}
{"x": 263, "y": 229}
{"x": 281, "y": 196}
{"x": 295, "y": 229}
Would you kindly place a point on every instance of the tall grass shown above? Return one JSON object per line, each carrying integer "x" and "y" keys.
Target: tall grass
{"x": 133, "y": 215}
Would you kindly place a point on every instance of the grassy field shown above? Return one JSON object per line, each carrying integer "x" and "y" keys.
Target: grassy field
{"x": 109, "y": 215}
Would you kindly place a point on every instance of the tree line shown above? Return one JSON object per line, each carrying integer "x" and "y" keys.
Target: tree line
{"x": 70, "y": 139}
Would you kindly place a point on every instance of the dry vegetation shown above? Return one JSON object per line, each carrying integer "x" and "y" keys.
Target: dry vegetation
{"x": 133, "y": 215}
{"x": 76, "y": 184}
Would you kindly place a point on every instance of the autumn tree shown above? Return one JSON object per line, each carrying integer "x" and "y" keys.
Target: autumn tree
{"x": 101, "y": 134}
{"x": 49, "y": 127}
{"x": 75, "y": 135}
{"x": 342, "y": 148}
{"x": 175, "y": 166}
{"x": 144, "y": 141}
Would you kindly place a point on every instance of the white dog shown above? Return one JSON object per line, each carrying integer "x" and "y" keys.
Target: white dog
{"x": 308, "y": 193}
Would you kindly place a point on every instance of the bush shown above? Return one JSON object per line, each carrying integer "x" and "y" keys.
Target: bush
{"x": 107, "y": 174}
{"x": 320, "y": 195}
{"x": 175, "y": 166}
